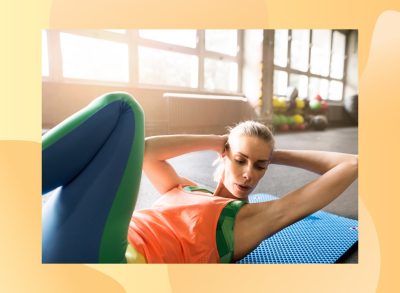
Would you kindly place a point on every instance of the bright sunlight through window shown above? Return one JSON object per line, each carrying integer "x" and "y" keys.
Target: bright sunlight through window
{"x": 94, "y": 59}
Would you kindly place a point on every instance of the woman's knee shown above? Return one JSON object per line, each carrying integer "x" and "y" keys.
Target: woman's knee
{"x": 127, "y": 102}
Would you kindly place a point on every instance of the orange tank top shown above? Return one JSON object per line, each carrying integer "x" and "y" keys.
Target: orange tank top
{"x": 179, "y": 228}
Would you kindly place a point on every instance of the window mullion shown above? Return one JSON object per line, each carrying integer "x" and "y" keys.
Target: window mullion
{"x": 345, "y": 61}
{"x": 55, "y": 56}
{"x": 164, "y": 46}
{"x": 201, "y": 54}
{"x": 330, "y": 65}
{"x": 98, "y": 34}
{"x": 289, "y": 51}
{"x": 330, "y": 55}
{"x": 309, "y": 62}
{"x": 268, "y": 72}
{"x": 309, "y": 52}
{"x": 240, "y": 60}
{"x": 288, "y": 67}
{"x": 308, "y": 74}
{"x": 221, "y": 56}
{"x": 133, "y": 43}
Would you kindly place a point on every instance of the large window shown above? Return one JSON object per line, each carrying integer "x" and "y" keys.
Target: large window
{"x": 161, "y": 67}
{"x": 93, "y": 59}
{"x": 310, "y": 60}
{"x": 206, "y": 60}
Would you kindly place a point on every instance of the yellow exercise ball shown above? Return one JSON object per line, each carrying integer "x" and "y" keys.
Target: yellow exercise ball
{"x": 275, "y": 102}
{"x": 300, "y": 103}
{"x": 283, "y": 103}
{"x": 298, "y": 119}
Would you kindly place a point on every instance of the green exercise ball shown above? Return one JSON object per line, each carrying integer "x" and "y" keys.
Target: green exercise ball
{"x": 315, "y": 105}
{"x": 291, "y": 120}
{"x": 276, "y": 120}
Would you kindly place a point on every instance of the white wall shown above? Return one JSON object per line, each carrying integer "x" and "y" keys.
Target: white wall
{"x": 60, "y": 100}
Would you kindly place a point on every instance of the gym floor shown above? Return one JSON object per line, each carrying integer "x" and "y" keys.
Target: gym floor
{"x": 279, "y": 180}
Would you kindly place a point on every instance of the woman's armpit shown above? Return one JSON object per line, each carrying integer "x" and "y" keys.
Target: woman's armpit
{"x": 254, "y": 223}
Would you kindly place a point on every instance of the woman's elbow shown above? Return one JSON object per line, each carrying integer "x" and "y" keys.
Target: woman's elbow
{"x": 354, "y": 161}
{"x": 353, "y": 164}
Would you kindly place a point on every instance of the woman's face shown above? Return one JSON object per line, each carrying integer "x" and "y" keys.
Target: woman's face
{"x": 246, "y": 162}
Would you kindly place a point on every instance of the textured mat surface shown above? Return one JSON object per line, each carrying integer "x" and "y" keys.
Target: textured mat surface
{"x": 320, "y": 238}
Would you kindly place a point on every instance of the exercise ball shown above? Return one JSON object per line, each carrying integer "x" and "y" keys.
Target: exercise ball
{"x": 275, "y": 102}
{"x": 286, "y": 119}
{"x": 315, "y": 105}
{"x": 319, "y": 122}
{"x": 300, "y": 103}
{"x": 318, "y": 98}
{"x": 284, "y": 127}
{"x": 291, "y": 120}
{"x": 282, "y": 119}
{"x": 301, "y": 126}
{"x": 283, "y": 104}
{"x": 276, "y": 120}
{"x": 298, "y": 119}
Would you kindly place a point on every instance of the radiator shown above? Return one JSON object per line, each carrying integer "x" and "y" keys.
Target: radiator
{"x": 193, "y": 113}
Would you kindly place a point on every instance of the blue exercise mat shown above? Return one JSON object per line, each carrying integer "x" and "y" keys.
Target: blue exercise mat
{"x": 320, "y": 238}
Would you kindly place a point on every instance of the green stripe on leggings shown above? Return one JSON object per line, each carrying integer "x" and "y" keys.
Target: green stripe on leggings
{"x": 115, "y": 231}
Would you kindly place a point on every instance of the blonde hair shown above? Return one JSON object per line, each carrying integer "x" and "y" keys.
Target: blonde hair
{"x": 245, "y": 128}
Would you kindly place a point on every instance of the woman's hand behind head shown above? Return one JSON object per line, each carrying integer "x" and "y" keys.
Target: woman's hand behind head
{"x": 224, "y": 145}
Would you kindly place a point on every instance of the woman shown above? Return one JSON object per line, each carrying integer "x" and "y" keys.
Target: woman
{"x": 187, "y": 223}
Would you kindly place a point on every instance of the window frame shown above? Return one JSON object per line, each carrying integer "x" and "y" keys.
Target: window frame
{"x": 308, "y": 73}
{"x": 133, "y": 40}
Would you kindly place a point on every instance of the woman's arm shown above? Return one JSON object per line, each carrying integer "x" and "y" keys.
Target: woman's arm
{"x": 259, "y": 221}
{"x": 158, "y": 149}
{"x": 338, "y": 171}
{"x": 315, "y": 161}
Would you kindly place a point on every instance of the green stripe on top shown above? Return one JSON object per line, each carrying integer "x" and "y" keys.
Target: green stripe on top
{"x": 225, "y": 226}
{"x": 225, "y": 230}
{"x": 114, "y": 240}
{"x": 196, "y": 188}
{"x": 79, "y": 117}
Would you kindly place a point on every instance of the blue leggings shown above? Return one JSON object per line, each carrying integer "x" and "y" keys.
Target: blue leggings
{"x": 94, "y": 159}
